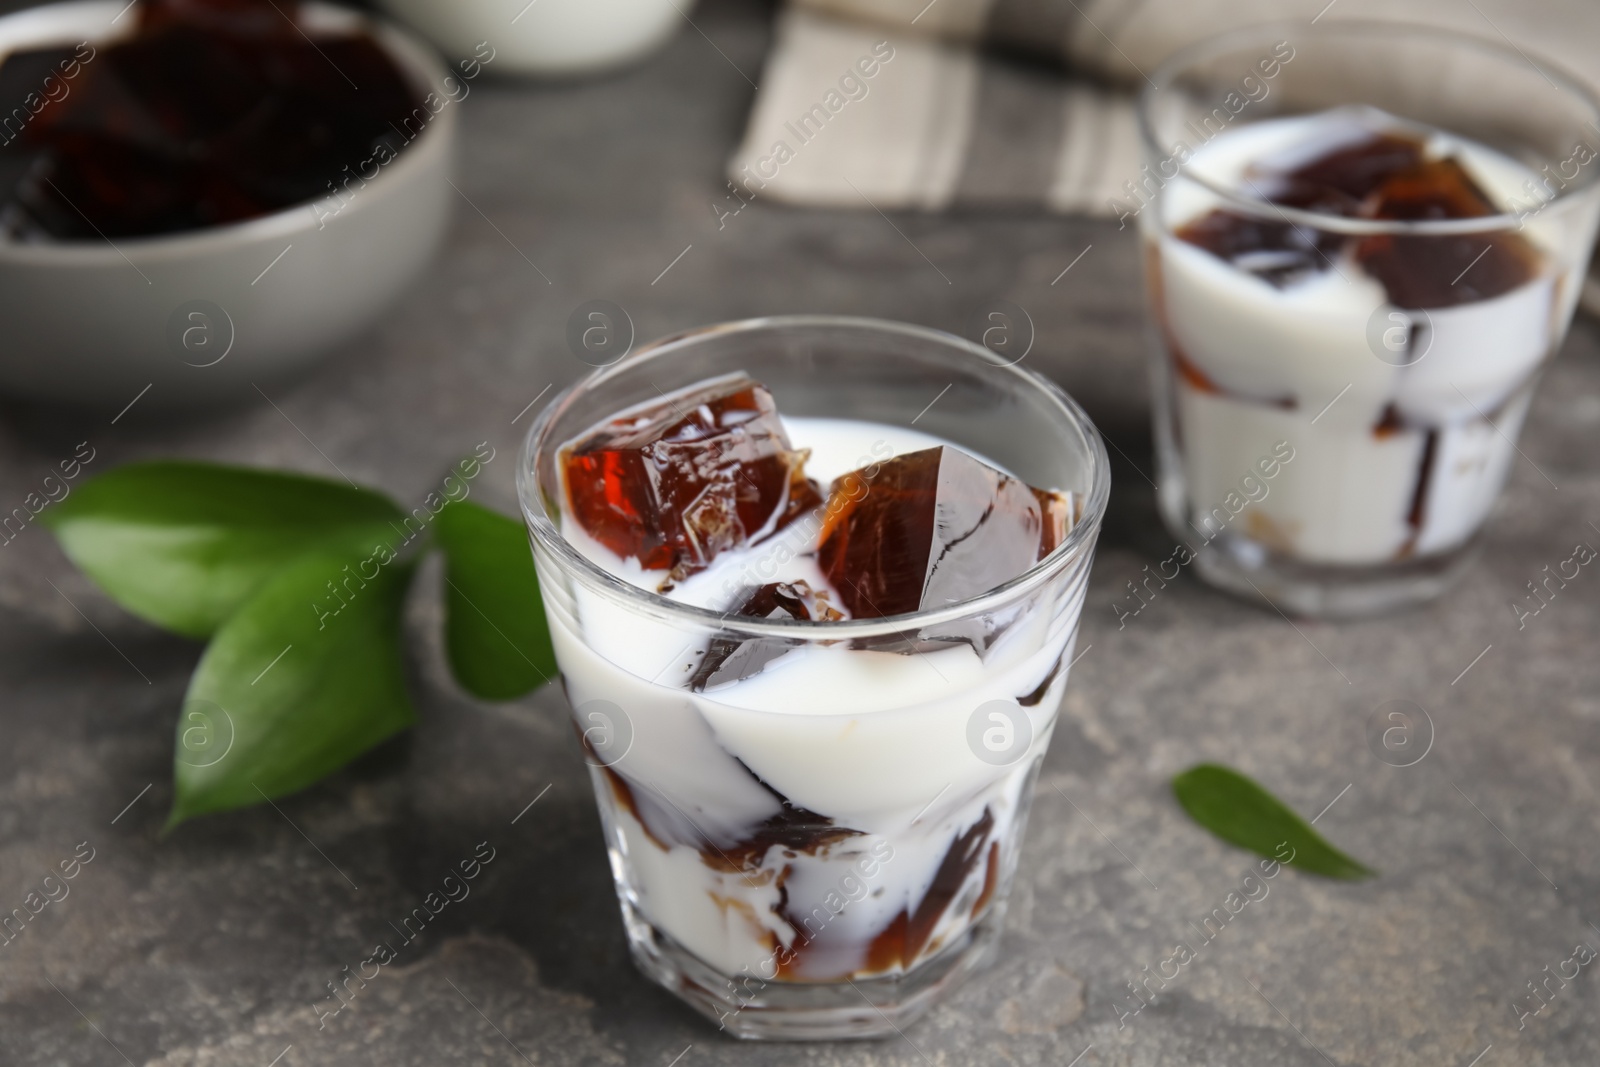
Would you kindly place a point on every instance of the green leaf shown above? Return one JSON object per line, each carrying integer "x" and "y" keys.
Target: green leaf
{"x": 296, "y": 684}
{"x": 1239, "y": 811}
{"x": 495, "y": 628}
{"x": 184, "y": 544}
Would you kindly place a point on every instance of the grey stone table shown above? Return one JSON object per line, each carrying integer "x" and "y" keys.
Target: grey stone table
{"x": 214, "y": 946}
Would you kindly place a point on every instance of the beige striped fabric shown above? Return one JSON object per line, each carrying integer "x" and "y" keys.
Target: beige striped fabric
{"x": 1024, "y": 104}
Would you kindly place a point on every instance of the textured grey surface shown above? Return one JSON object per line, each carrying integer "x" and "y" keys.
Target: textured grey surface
{"x": 214, "y": 946}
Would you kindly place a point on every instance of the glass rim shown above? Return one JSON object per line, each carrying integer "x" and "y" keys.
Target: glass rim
{"x": 1078, "y": 542}
{"x": 1211, "y": 47}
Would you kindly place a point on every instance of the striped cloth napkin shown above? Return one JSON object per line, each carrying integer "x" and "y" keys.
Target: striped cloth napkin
{"x": 1025, "y": 104}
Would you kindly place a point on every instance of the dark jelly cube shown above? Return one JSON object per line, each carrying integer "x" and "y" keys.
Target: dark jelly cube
{"x": 1339, "y": 181}
{"x": 729, "y": 659}
{"x": 1276, "y": 252}
{"x": 676, "y": 483}
{"x": 932, "y": 528}
{"x": 1436, "y": 271}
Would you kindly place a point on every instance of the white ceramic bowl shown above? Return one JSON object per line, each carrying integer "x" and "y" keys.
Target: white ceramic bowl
{"x": 549, "y": 38}
{"x": 92, "y": 322}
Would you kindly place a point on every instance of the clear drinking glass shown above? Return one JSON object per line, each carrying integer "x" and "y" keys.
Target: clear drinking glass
{"x": 1335, "y": 439}
{"x": 798, "y": 871}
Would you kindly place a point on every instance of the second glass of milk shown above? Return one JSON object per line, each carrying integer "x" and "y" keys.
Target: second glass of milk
{"x": 1362, "y": 244}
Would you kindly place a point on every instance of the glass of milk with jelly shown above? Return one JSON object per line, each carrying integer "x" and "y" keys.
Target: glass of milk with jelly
{"x": 814, "y": 587}
{"x": 1362, "y": 245}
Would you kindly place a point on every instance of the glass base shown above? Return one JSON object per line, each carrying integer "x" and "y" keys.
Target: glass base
{"x": 808, "y": 1011}
{"x": 1250, "y": 571}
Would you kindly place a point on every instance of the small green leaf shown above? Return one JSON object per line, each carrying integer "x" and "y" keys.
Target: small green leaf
{"x": 1239, "y": 811}
{"x": 495, "y": 628}
{"x": 184, "y": 544}
{"x": 296, "y": 684}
